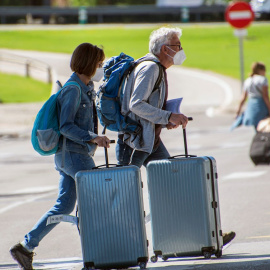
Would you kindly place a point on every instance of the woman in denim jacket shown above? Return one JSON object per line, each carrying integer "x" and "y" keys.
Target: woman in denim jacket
{"x": 78, "y": 125}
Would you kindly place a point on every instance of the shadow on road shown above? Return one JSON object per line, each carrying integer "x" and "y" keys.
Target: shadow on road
{"x": 228, "y": 261}
{"x": 63, "y": 264}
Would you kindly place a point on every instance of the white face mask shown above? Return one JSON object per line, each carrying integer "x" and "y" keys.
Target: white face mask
{"x": 98, "y": 75}
{"x": 179, "y": 57}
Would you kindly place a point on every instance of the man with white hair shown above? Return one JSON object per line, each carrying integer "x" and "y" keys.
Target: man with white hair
{"x": 147, "y": 105}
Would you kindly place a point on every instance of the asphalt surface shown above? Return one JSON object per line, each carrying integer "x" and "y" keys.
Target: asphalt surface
{"x": 28, "y": 182}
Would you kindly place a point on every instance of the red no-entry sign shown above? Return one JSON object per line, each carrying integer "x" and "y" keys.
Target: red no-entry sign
{"x": 239, "y": 14}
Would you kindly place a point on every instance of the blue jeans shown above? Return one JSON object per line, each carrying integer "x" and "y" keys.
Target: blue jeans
{"x": 125, "y": 154}
{"x": 66, "y": 200}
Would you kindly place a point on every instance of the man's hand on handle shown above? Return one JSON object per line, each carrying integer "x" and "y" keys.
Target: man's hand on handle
{"x": 171, "y": 126}
{"x": 178, "y": 119}
{"x": 101, "y": 141}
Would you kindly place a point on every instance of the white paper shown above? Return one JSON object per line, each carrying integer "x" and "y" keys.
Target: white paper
{"x": 173, "y": 105}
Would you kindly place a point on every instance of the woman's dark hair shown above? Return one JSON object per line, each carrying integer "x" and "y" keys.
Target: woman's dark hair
{"x": 85, "y": 59}
{"x": 257, "y": 67}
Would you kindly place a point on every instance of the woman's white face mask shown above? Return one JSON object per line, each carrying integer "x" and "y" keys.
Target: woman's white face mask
{"x": 179, "y": 57}
{"x": 98, "y": 75}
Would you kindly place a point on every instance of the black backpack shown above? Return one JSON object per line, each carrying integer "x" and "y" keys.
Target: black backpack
{"x": 260, "y": 148}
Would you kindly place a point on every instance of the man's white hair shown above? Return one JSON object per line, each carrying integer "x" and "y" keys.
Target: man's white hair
{"x": 162, "y": 36}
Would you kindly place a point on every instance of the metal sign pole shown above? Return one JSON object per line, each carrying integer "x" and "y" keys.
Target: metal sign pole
{"x": 241, "y": 33}
{"x": 241, "y": 54}
{"x": 239, "y": 14}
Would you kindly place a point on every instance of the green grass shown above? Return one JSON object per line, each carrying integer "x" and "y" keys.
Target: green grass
{"x": 113, "y": 40}
{"x": 15, "y": 89}
{"x": 208, "y": 47}
{"x": 217, "y": 49}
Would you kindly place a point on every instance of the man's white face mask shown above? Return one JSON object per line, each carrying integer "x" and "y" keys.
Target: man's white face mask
{"x": 98, "y": 75}
{"x": 179, "y": 57}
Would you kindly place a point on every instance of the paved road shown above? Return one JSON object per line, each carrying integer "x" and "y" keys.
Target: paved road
{"x": 28, "y": 182}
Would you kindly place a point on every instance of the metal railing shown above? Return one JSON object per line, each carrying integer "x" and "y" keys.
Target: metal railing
{"x": 101, "y": 12}
{"x": 28, "y": 67}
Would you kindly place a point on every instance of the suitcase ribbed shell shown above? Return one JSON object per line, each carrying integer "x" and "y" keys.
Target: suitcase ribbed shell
{"x": 111, "y": 217}
{"x": 182, "y": 214}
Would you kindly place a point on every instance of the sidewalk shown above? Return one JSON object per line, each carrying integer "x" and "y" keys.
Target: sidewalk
{"x": 17, "y": 119}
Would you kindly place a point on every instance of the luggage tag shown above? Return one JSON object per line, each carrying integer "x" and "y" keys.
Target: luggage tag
{"x": 62, "y": 218}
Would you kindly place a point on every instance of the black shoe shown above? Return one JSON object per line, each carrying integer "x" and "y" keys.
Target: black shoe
{"x": 228, "y": 237}
{"x": 23, "y": 257}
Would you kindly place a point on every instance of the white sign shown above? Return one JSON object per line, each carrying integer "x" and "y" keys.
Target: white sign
{"x": 240, "y": 15}
{"x": 240, "y": 32}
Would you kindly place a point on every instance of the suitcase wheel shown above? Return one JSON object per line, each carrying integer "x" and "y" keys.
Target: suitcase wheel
{"x": 207, "y": 255}
{"x": 219, "y": 254}
{"x": 142, "y": 265}
{"x": 154, "y": 259}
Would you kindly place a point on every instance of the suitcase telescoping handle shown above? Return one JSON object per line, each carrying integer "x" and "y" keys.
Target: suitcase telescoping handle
{"x": 185, "y": 137}
{"x": 106, "y": 165}
{"x": 185, "y": 144}
{"x": 106, "y": 154}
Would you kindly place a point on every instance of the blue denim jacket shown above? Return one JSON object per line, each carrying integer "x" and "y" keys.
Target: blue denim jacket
{"x": 77, "y": 117}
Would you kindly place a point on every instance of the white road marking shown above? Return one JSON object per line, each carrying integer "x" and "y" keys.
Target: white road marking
{"x": 224, "y": 86}
{"x": 5, "y": 155}
{"x": 61, "y": 263}
{"x": 258, "y": 237}
{"x": 244, "y": 175}
{"x": 234, "y": 145}
{"x": 35, "y": 189}
{"x": 16, "y": 204}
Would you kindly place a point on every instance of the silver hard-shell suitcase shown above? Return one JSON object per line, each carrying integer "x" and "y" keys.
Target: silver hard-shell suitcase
{"x": 184, "y": 207}
{"x": 111, "y": 217}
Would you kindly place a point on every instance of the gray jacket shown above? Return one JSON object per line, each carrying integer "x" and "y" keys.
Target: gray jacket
{"x": 144, "y": 104}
